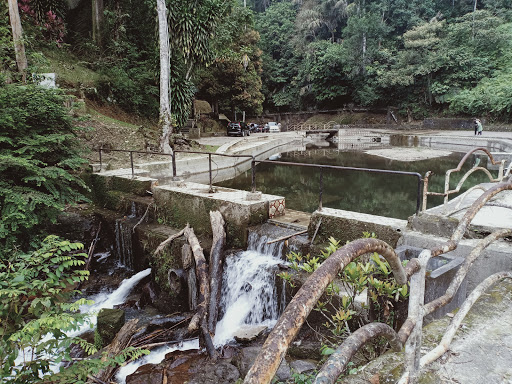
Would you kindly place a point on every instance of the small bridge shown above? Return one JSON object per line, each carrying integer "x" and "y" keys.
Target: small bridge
{"x": 315, "y": 127}
{"x": 332, "y": 128}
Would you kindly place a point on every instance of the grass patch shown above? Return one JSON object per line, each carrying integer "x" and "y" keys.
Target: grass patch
{"x": 211, "y": 148}
{"x": 70, "y": 71}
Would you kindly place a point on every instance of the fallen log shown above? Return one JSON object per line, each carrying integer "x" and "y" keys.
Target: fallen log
{"x": 286, "y": 237}
{"x": 216, "y": 262}
{"x": 120, "y": 342}
{"x": 199, "y": 321}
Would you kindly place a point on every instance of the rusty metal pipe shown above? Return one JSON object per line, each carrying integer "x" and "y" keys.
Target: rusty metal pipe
{"x": 300, "y": 306}
{"x": 338, "y": 361}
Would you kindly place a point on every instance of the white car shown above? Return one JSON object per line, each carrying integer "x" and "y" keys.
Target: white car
{"x": 273, "y": 126}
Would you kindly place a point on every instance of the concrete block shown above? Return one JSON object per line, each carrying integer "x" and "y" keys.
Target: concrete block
{"x": 347, "y": 226}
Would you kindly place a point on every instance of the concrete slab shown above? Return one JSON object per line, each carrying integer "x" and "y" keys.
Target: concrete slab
{"x": 293, "y": 219}
{"x": 495, "y": 258}
{"x": 186, "y": 202}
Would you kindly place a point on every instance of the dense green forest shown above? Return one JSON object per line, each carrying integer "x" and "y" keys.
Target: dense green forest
{"x": 419, "y": 57}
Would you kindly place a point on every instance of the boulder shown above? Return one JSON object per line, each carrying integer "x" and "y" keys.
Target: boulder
{"x": 246, "y": 359}
{"x": 248, "y": 333}
{"x": 110, "y": 321}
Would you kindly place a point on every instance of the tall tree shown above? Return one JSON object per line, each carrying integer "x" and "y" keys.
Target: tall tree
{"x": 165, "y": 108}
{"x": 192, "y": 27}
{"x": 17, "y": 37}
{"x": 97, "y": 21}
{"x": 233, "y": 82}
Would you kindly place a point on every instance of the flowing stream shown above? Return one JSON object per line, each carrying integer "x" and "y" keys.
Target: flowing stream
{"x": 249, "y": 297}
{"x": 249, "y": 294}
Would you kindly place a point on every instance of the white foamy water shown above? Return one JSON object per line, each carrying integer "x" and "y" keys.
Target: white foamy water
{"x": 155, "y": 357}
{"x": 102, "y": 300}
{"x": 249, "y": 296}
{"x": 109, "y": 300}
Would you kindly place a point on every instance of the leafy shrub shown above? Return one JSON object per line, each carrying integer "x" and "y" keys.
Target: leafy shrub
{"x": 339, "y": 308}
{"x": 38, "y": 155}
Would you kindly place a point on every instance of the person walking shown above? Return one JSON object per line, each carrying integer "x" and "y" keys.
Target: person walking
{"x": 478, "y": 127}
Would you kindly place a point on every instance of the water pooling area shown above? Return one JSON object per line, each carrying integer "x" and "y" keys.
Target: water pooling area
{"x": 379, "y": 194}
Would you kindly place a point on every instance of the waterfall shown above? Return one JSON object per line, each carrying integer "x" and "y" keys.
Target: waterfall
{"x": 123, "y": 234}
{"x": 249, "y": 295}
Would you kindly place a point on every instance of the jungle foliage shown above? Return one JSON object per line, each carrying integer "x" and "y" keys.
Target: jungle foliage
{"x": 421, "y": 57}
{"x": 37, "y": 317}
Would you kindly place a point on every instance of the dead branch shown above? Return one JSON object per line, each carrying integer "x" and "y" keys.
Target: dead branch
{"x": 338, "y": 361}
{"x": 298, "y": 309}
{"x": 199, "y": 321}
{"x": 120, "y": 342}
{"x": 142, "y": 218}
{"x": 169, "y": 240}
{"x": 91, "y": 248}
{"x": 286, "y": 237}
{"x": 461, "y": 314}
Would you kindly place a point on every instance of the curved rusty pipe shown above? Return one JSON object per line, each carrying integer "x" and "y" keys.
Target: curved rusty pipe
{"x": 338, "y": 361}
{"x": 288, "y": 325}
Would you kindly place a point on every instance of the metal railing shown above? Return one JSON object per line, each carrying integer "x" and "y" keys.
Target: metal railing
{"x": 173, "y": 156}
{"x": 320, "y": 167}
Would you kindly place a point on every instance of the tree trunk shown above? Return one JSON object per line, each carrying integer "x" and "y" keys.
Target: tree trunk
{"x": 165, "y": 108}
{"x": 97, "y": 21}
{"x": 216, "y": 260}
{"x": 17, "y": 37}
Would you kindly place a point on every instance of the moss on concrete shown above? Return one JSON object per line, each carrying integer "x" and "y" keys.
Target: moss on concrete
{"x": 345, "y": 229}
{"x": 133, "y": 186}
{"x": 176, "y": 209}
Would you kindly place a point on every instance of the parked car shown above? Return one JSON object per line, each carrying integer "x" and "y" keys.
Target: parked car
{"x": 272, "y": 126}
{"x": 262, "y": 128}
{"x": 238, "y": 129}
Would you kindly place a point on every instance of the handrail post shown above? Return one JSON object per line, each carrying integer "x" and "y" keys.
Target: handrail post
{"x": 101, "y": 162}
{"x": 210, "y": 171}
{"x": 418, "y": 196}
{"x": 131, "y": 163}
{"x": 425, "y": 190}
{"x": 321, "y": 188}
{"x": 173, "y": 164}
{"x": 253, "y": 174}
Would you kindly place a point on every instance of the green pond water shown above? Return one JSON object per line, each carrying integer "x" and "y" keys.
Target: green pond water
{"x": 378, "y": 194}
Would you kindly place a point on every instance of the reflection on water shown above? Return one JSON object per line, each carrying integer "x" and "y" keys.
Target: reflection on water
{"x": 378, "y": 194}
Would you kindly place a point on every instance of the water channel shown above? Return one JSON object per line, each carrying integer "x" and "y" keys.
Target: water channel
{"x": 379, "y": 194}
